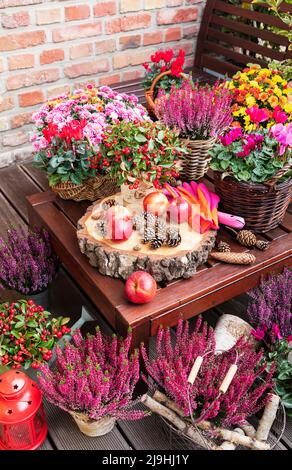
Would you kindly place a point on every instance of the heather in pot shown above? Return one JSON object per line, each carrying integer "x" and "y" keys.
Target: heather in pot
{"x": 94, "y": 380}
{"x": 27, "y": 261}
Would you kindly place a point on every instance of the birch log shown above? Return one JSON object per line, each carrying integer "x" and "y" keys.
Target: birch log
{"x": 184, "y": 427}
{"x": 248, "y": 429}
{"x": 221, "y": 433}
{"x": 268, "y": 417}
{"x": 229, "y": 329}
{"x": 226, "y": 445}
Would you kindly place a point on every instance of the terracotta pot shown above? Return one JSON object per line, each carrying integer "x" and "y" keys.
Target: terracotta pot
{"x": 93, "y": 428}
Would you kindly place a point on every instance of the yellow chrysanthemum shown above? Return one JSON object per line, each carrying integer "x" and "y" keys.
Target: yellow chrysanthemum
{"x": 277, "y": 91}
{"x": 243, "y": 76}
{"x": 263, "y": 96}
{"x": 250, "y": 101}
{"x": 254, "y": 83}
{"x": 277, "y": 79}
{"x": 288, "y": 108}
{"x": 273, "y": 101}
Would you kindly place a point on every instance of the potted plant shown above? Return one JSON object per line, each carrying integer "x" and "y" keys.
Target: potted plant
{"x": 200, "y": 114}
{"x": 252, "y": 174}
{"x": 164, "y": 71}
{"x": 27, "y": 263}
{"x": 69, "y": 131}
{"x": 93, "y": 380}
{"x": 140, "y": 155}
{"x": 269, "y": 312}
{"x": 259, "y": 98}
{"x": 27, "y": 334}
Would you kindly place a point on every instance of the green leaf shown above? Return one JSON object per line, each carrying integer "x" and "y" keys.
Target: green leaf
{"x": 18, "y": 325}
{"x": 140, "y": 138}
{"x": 32, "y": 323}
{"x": 65, "y": 320}
{"x": 160, "y": 135}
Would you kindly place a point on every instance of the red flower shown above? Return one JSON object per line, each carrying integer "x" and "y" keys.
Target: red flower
{"x": 279, "y": 115}
{"x": 163, "y": 68}
{"x": 168, "y": 56}
{"x": 50, "y": 132}
{"x": 146, "y": 66}
{"x": 157, "y": 57}
{"x": 177, "y": 64}
{"x": 257, "y": 114}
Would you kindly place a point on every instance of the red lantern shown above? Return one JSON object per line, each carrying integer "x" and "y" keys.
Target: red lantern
{"x": 22, "y": 419}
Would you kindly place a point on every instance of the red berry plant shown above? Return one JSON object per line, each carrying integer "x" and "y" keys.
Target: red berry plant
{"x": 246, "y": 395}
{"x": 95, "y": 376}
{"x": 133, "y": 151}
{"x": 27, "y": 336}
{"x": 163, "y": 61}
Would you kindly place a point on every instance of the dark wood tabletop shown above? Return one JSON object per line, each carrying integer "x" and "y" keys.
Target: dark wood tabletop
{"x": 213, "y": 283}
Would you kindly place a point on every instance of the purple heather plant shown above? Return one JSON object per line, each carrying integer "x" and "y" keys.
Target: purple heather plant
{"x": 27, "y": 261}
{"x": 198, "y": 112}
{"x": 270, "y": 309}
{"x": 246, "y": 395}
{"x": 95, "y": 375}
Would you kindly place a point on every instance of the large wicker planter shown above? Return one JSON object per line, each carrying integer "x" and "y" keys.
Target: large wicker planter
{"x": 263, "y": 206}
{"x": 90, "y": 190}
{"x": 196, "y": 162}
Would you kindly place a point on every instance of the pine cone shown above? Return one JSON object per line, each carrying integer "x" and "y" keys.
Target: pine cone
{"x": 223, "y": 247}
{"x": 108, "y": 203}
{"x": 262, "y": 245}
{"x": 160, "y": 229}
{"x": 148, "y": 234}
{"x": 101, "y": 228}
{"x": 142, "y": 220}
{"x": 156, "y": 243}
{"x": 173, "y": 237}
{"x": 234, "y": 258}
{"x": 246, "y": 238}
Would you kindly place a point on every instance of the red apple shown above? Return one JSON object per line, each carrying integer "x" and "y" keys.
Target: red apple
{"x": 155, "y": 202}
{"x": 120, "y": 230}
{"x": 117, "y": 212}
{"x": 178, "y": 210}
{"x": 140, "y": 287}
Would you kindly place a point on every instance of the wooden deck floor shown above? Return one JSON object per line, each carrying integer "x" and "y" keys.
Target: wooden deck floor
{"x": 16, "y": 183}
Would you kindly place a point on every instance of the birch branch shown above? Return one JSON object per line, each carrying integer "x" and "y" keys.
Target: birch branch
{"x": 268, "y": 417}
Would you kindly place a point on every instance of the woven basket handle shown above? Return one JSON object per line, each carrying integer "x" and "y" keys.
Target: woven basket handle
{"x": 271, "y": 182}
{"x": 150, "y": 92}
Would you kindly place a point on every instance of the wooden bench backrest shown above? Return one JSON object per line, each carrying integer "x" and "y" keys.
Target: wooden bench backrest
{"x": 232, "y": 36}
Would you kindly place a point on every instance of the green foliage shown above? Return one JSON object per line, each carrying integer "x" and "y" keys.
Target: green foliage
{"x": 66, "y": 163}
{"x": 285, "y": 67}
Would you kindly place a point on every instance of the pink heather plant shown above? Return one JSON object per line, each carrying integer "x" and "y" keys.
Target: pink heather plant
{"x": 198, "y": 112}
{"x": 171, "y": 368}
{"x": 95, "y": 376}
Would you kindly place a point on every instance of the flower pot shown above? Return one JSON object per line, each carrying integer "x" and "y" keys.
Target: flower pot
{"x": 90, "y": 190}
{"x": 263, "y": 206}
{"x": 229, "y": 329}
{"x": 196, "y": 162}
{"x": 132, "y": 195}
{"x": 93, "y": 428}
{"x": 42, "y": 299}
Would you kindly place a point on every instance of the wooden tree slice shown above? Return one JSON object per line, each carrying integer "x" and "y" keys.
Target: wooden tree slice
{"x": 121, "y": 259}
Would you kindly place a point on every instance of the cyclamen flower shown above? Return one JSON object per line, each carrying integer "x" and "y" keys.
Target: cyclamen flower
{"x": 283, "y": 134}
{"x": 257, "y": 115}
{"x": 231, "y": 136}
{"x": 258, "y": 333}
{"x": 279, "y": 115}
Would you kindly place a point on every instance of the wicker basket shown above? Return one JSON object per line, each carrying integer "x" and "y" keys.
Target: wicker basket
{"x": 90, "y": 190}
{"x": 149, "y": 94}
{"x": 196, "y": 163}
{"x": 263, "y": 206}
{"x": 93, "y": 428}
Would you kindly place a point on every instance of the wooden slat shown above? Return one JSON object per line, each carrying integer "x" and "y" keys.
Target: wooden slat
{"x": 237, "y": 26}
{"x": 231, "y": 39}
{"x": 46, "y": 445}
{"x": 66, "y": 435}
{"x": 287, "y": 437}
{"x": 8, "y": 217}
{"x": 218, "y": 66}
{"x": 237, "y": 57}
{"x": 253, "y": 15}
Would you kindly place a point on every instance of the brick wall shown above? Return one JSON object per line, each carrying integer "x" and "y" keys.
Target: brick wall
{"x": 46, "y": 47}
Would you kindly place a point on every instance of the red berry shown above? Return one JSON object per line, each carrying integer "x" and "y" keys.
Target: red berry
{"x": 59, "y": 334}
{"x": 30, "y": 302}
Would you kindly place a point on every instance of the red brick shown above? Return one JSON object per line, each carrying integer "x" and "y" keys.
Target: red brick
{"x": 104, "y": 8}
{"x": 128, "y": 23}
{"x": 110, "y": 79}
{"x": 77, "y": 12}
{"x": 155, "y": 37}
{"x": 15, "y": 20}
{"x": 12, "y": 42}
{"x": 188, "y": 47}
{"x": 108, "y": 45}
{"x": 6, "y": 103}
{"x": 172, "y": 34}
{"x": 132, "y": 58}
{"x": 86, "y": 68}
{"x": 32, "y": 78}
{"x": 130, "y": 42}
{"x": 176, "y": 16}
{"x": 120, "y": 61}
{"x": 31, "y": 98}
{"x": 17, "y": 3}
{"x": 21, "y": 61}
{"x": 14, "y": 139}
{"x": 77, "y": 32}
{"x": 48, "y": 16}
{"x": 1, "y": 65}
{"x": 175, "y": 3}
{"x": 132, "y": 74}
{"x": 21, "y": 119}
{"x": 130, "y": 5}
{"x": 81, "y": 50}
{"x": 151, "y": 4}
{"x": 190, "y": 31}
{"x": 53, "y": 55}
{"x": 56, "y": 91}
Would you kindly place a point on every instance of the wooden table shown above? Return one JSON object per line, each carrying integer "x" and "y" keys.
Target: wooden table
{"x": 213, "y": 284}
